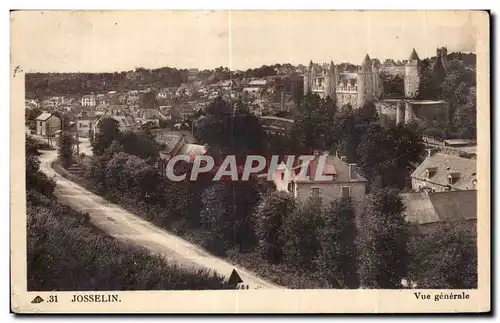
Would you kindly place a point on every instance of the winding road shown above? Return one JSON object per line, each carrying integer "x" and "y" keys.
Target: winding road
{"x": 130, "y": 228}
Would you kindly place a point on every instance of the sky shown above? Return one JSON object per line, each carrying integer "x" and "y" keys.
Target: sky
{"x": 93, "y": 41}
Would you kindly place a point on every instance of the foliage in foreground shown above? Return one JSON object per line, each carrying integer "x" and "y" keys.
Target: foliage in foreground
{"x": 66, "y": 253}
{"x": 445, "y": 257}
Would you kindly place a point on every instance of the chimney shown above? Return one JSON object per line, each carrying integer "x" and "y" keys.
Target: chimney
{"x": 352, "y": 171}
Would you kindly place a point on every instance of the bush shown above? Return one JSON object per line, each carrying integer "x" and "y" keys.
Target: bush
{"x": 270, "y": 214}
{"x": 35, "y": 179}
{"x": 337, "y": 261}
{"x": 301, "y": 230}
{"x": 445, "y": 257}
{"x": 382, "y": 241}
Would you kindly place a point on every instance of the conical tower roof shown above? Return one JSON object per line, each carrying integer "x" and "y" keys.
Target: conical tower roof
{"x": 332, "y": 67}
{"x": 414, "y": 55}
{"x": 367, "y": 61}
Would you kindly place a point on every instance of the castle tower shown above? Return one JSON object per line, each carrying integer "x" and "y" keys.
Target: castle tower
{"x": 442, "y": 54}
{"x": 307, "y": 79}
{"x": 365, "y": 82}
{"x": 330, "y": 83}
{"x": 313, "y": 72}
{"x": 377, "y": 81}
{"x": 412, "y": 76}
{"x": 440, "y": 68}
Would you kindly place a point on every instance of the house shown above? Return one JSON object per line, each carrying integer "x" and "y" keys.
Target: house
{"x": 227, "y": 85}
{"x": 428, "y": 209}
{"x": 133, "y": 99}
{"x": 101, "y": 99}
{"x": 124, "y": 122}
{"x": 47, "y": 124}
{"x": 258, "y": 83}
{"x": 252, "y": 90}
{"x": 161, "y": 95}
{"x": 152, "y": 116}
{"x": 49, "y": 104}
{"x": 88, "y": 101}
{"x": 346, "y": 182}
{"x": 177, "y": 143}
{"x": 102, "y": 107}
{"x": 276, "y": 125}
{"x": 31, "y": 104}
{"x": 113, "y": 109}
{"x": 442, "y": 172}
{"x": 84, "y": 126}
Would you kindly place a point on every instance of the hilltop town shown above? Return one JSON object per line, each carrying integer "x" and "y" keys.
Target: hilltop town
{"x": 399, "y": 140}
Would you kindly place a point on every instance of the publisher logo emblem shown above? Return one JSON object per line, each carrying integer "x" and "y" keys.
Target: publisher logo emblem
{"x": 37, "y": 300}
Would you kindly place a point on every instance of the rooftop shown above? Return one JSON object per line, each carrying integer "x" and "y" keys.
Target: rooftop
{"x": 426, "y": 208}
{"x": 44, "y": 116}
{"x": 444, "y": 165}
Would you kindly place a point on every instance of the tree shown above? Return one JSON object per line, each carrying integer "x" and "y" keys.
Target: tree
{"x": 382, "y": 241}
{"x": 301, "y": 234}
{"x": 270, "y": 214}
{"x": 312, "y": 123}
{"x": 148, "y": 100}
{"x": 337, "y": 260}
{"x": 227, "y": 209}
{"x": 66, "y": 150}
{"x": 31, "y": 146}
{"x": 141, "y": 144}
{"x": 349, "y": 126}
{"x": 429, "y": 88}
{"x": 96, "y": 169}
{"x": 108, "y": 131}
{"x": 239, "y": 132}
{"x": 465, "y": 121}
{"x": 393, "y": 85}
{"x": 217, "y": 127}
{"x": 445, "y": 257}
{"x": 387, "y": 155}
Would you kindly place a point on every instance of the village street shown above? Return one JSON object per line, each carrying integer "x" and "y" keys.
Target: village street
{"x": 130, "y": 228}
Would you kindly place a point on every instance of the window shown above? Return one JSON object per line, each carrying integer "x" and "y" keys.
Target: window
{"x": 346, "y": 191}
{"x": 291, "y": 188}
{"x": 316, "y": 192}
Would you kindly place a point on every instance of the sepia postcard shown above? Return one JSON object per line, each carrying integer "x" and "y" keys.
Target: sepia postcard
{"x": 250, "y": 162}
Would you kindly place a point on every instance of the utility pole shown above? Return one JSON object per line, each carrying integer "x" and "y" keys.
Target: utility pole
{"x": 232, "y": 151}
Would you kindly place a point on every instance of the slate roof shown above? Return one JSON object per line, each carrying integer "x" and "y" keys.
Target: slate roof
{"x": 432, "y": 207}
{"x": 333, "y": 166}
{"x": 44, "y": 116}
{"x": 419, "y": 208}
{"x": 457, "y": 205}
{"x": 445, "y": 165}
